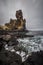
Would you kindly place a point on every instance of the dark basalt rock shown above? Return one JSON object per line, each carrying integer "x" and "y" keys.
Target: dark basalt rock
{"x": 35, "y": 59}
{"x": 13, "y": 41}
{"x": 9, "y": 58}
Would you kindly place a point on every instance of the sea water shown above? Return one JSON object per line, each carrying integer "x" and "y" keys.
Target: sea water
{"x": 31, "y": 44}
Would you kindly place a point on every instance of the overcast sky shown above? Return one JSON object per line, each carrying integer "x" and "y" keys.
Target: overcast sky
{"x": 32, "y": 12}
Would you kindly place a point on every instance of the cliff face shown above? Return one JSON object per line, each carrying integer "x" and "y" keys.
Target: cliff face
{"x": 15, "y": 24}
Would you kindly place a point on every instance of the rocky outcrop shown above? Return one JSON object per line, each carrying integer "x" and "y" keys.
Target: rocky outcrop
{"x": 35, "y": 59}
{"x": 15, "y": 24}
{"x": 9, "y": 58}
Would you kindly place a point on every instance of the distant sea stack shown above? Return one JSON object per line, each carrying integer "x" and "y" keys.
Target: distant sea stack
{"x": 15, "y": 24}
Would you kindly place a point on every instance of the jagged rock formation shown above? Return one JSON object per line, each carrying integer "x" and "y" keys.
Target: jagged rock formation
{"x": 15, "y": 24}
